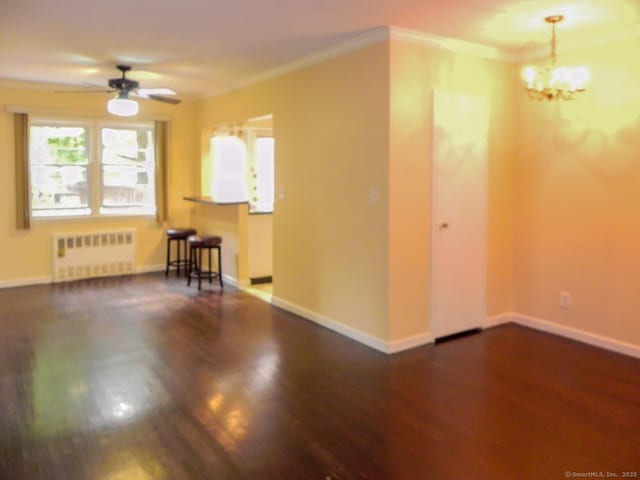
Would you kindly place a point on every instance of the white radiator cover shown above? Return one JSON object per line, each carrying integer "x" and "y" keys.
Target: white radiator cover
{"x": 94, "y": 254}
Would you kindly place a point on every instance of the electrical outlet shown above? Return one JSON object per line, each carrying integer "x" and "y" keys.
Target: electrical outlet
{"x": 565, "y": 299}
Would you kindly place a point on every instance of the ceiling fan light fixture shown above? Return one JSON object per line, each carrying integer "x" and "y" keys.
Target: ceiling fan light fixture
{"x": 122, "y": 105}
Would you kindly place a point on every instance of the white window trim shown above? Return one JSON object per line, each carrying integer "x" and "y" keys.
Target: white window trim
{"x": 254, "y": 164}
{"x": 94, "y": 170}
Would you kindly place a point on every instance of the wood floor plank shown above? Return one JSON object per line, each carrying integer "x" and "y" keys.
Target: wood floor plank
{"x": 144, "y": 378}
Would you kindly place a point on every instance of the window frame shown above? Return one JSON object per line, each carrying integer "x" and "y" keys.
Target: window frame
{"x": 95, "y": 180}
{"x": 219, "y": 177}
{"x": 100, "y": 190}
{"x": 254, "y": 182}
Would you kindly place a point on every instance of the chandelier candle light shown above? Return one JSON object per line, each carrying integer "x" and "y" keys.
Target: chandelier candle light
{"x": 552, "y": 82}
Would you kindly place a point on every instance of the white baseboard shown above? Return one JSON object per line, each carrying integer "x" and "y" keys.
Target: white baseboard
{"x": 234, "y": 282}
{"x": 577, "y": 334}
{"x": 407, "y": 343}
{"x": 353, "y": 333}
{"x": 229, "y": 280}
{"x": 25, "y": 282}
{"x": 326, "y": 322}
{"x": 151, "y": 268}
{"x": 495, "y": 320}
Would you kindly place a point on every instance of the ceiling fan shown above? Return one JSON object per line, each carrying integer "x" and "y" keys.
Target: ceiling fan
{"x": 124, "y": 87}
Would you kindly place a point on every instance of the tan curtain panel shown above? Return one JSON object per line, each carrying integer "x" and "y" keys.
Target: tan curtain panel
{"x": 23, "y": 204}
{"x": 161, "y": 147}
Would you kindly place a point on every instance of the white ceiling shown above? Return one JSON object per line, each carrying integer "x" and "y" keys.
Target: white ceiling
{"x": 199, "y": 47}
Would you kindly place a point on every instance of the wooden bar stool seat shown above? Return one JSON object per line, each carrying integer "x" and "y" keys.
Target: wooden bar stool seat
{"x": 179, "y": 237}
{"x": 197, "y": 244}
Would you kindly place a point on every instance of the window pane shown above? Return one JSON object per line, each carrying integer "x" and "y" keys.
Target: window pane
{"x": 58, "y": 160}
{"x": 58, "y": 187}
{"x": 128, "y": 170}
{"x": 126, "y": 186}
{"x": 58, "y": 145}
{"x": 229, "y": 182}
{"x": 112, "y": 156}
{"x": 130, "y": 146}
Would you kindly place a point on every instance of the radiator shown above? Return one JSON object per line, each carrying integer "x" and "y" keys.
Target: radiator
{"x": 95, "y": 254}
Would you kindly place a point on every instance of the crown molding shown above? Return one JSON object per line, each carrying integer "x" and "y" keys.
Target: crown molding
{"x": 370, "y": 37}
{"x": 365, "y": 39}
{"x": 455, "y": 45}
{"x": 451, "y": 44}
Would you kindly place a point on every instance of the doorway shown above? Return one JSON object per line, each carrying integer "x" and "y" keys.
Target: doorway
{"x": 261, "y": 150}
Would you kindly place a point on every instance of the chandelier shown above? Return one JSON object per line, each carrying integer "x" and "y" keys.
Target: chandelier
{"x": 552, "y": 82}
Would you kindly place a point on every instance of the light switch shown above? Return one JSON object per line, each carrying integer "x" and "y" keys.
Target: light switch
{"x": 373, "y": 196}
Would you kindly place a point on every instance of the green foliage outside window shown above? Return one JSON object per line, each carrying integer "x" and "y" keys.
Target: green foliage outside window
{"x": 59, "y": 145}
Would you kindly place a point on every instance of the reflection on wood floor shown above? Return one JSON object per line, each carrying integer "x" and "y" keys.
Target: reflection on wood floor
{"x": 142, "y": 378}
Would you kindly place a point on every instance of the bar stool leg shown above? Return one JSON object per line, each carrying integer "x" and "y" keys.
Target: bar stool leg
{"x": 166, "y": 272}
{"x": 186, "y": 254}
{"x": 200, "y": 269}
{"x": 210, "y": 274}
{"x": 220, "y": 266}
{"x": 189, "y": 267}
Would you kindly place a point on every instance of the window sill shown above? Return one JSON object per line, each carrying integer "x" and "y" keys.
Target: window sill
{"x": 206, "y": 200}
{"x": 91, "y": 218}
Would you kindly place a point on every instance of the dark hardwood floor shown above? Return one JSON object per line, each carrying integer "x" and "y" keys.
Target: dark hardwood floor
{"x": 142, "y": 378}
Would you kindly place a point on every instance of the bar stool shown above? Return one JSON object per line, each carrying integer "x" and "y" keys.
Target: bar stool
{"x": 179, "y": 236}
{"x": 197, "y": 244}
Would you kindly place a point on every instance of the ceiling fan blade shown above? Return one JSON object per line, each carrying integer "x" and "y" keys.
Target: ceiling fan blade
{"x": 84, "y": 91}
{"x": 160, "y": 98}
{"x": 126, "y": 87}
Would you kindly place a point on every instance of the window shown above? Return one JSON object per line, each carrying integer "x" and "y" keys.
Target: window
{"x": 243, "y": 169}
{"x": 80, "y": 168}
{"x": 229, "y": 169}
{"x": 128, "y": 168}
{"x": 59, "y": 164}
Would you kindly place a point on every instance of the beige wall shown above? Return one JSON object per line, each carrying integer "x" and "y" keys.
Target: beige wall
{"x": 260, "y": 245}
{"x": 415, "y": 71}
{"x": 577, "y": 217}
{"x": 563, "y": 182}
{"x": 26, "y": 255}
{"x": 359, "y": 122}
{"x": 331, "y": 129}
